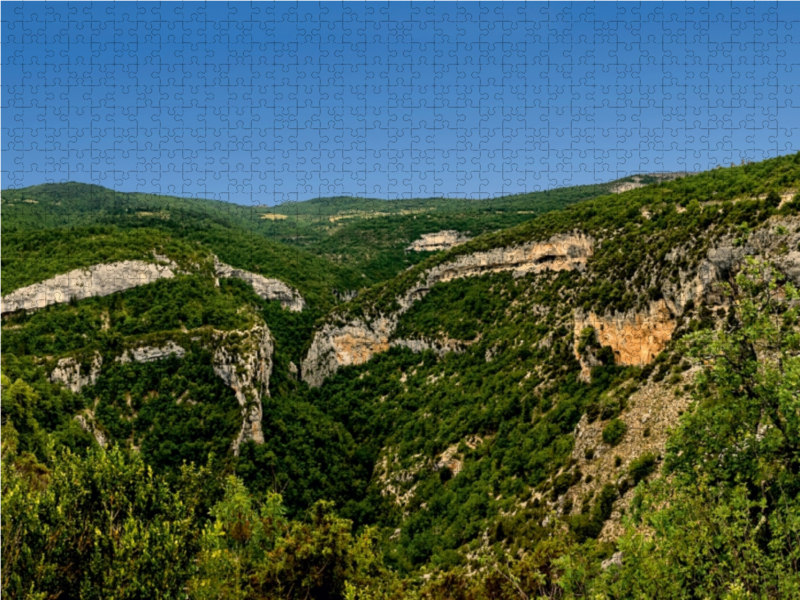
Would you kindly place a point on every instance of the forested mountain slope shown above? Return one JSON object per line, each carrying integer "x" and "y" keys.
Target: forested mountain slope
{"x": 366, "y": 238}
{"x": 580, "y": 405}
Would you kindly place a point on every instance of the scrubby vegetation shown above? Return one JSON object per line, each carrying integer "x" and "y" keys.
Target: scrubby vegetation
{"x": 412, "y": 475}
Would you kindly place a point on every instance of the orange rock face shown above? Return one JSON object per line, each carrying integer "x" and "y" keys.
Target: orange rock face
{"x": 356, "y": 350}
{"x": 635, "y": 338}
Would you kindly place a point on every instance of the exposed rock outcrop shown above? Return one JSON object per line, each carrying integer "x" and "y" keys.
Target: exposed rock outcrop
{"x": 439, "y": 347}
{"x": 637, "y": 181}
{"x": 651, "y": 412}
{"x": 68, "y": 372}
{"x": 243, "y": 360}
{"x": 441, "y": 240}
{"x": 97, "y": 280}
{"x": 357, "y": 341}
{"x": 340, "y": 346}
{"x": 151, "y": 353}
{"x": 269, "y": 289}
{"x": 636, "y": 338}
{"x": 87, "y": 422}
{"x": 561, "y": 252}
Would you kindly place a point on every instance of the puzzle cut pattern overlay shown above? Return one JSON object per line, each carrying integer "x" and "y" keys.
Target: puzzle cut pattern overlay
{"x": 261, "y": 104}
{"x": 265, "y": 103}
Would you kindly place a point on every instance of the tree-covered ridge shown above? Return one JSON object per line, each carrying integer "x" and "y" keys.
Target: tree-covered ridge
{"x": 33, "y": 256}
{"x": 365, "y": 239}
{"x": 503, "y": 410}
{"x": 170, "y": 305}
{"x": 636, "y": 230}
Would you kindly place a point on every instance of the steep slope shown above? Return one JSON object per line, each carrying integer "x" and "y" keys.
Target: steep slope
{"x": 143, "y": 337}
{"x": 563, "y": 333}
{"x": 495, "y": 399}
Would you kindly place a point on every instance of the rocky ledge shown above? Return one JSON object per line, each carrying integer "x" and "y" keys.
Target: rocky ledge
{"x": 97, "y": 280}
{"x": 269, "y": 289}
{"x": 355, "y": 342}
{"x": 68, "y": 372}
{"x": 243, "y": 360}
{"x": 561, "y": 252}
{"x": 441, "y": 240}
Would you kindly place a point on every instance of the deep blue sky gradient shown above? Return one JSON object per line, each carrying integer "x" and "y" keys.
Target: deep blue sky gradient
{"x": 262, "y": 103}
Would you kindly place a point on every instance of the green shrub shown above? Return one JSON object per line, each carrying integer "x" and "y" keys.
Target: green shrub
{"x": 614, "y": 432}
{"x": 641, "y": 467}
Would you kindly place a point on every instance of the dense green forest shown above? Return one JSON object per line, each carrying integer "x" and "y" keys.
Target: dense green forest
{"x": 414, "y": 474}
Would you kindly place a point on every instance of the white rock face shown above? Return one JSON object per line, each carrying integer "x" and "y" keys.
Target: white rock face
{"x": 151, "y": 353}
{"x": 441, "y": 240}
{"x": 68, "y": 372}
{"x": 243, "y": 360}
{"x": 98, "y": 280}
{"x": 269, "y": 289}
{"x": 88, "y": 424}
{"x": 354, "y": 343}
{"x": 559, "y": 253}
{"x": 637, "y": 337}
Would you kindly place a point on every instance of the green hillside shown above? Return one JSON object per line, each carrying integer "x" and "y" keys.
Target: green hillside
{"x": 365, "y": 238}
{"x": 603, "y": 402}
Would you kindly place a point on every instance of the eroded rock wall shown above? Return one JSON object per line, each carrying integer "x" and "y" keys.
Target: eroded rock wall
{"x": 269, "y": 289}
{"x": 339, "y": 346}
{"x": 97, "y": 280}
{"x": 441, "y": 240}
{"x": 559, "y": 253}
{"x": 151, "y": 353}
{"x": 635, "y": 337}
{"x": 69, "y": 372}
{"x": 354, "y": 343}
{"x": 243, "y": 360}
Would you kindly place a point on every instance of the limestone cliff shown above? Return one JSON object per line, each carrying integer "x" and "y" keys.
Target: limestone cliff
{"x": 351, "y": 344}
{"x": 441, "y": 240}
{"x": 68, "y": 372}
{"x": 243, "y": 360}
{"x": 635, "y": 337}
{"x": 356, "y": 341}
{"x": 97, "y": 280}
{"x": 107, "y": 279}
{"x": 269, "y": 289}
{"x": 151, "y": 353}
{"x": 561, "y": 252}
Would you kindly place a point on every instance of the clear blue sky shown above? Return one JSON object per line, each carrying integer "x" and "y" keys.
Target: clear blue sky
{"x": 263, "y": 103}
